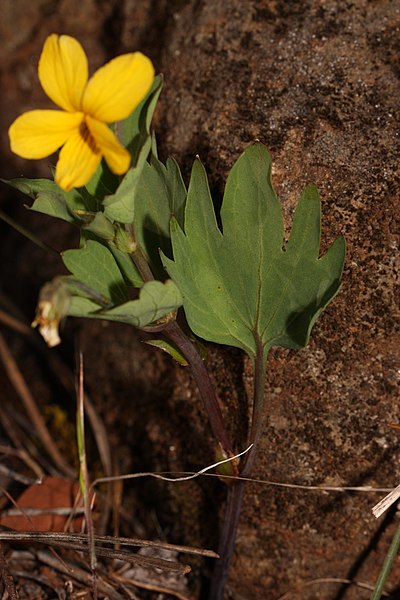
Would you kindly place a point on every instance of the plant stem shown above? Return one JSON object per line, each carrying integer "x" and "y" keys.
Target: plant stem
{"x": 387, "y": 565}
{"x": 139, "y": 260}
{"x": 235, "y": 494}
{"x": 257, "y": 423}
{"x": 176, "y": 334}
{"x": 227, "y": 540}
{"x": 203, "y": 381}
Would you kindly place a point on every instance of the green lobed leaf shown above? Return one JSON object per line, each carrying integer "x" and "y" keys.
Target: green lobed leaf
{"x": 156, "y": 300}
{"x": 242, "y": 287}
{"x": 50, "y": 199}
{"x": 95, "y": 266}
{"x": 161, "y": 194}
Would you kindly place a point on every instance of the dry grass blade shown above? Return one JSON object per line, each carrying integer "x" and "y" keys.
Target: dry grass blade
{"x": 63, "y": 539}
{"x": 30, "y": 406}
{"x": 8, "y": 426}
{"x": 11, "y": 474}
{"x": 14, "y": 323}
{"x": 64, "y": 376}
{"x": 28, "y": 234}
{"x": 150, "y": 586}
{"x": 34, "y": 512}
{"x": 386, "y": 502}
{"x": 43, "y": 581}
{"x": 135, "y": 559}
{"x": 84, "y": 473}
{"x": 84, "y": 577}
{"x": 325, "y": 581}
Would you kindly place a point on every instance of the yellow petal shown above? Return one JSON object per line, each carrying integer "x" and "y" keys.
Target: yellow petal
{"x": 39, "y": 133}
{"x": 118, "y": 87}
{"x": 117, "y": 157}
{"x": 78, "y": 160}
{"x": 63, "y": 71}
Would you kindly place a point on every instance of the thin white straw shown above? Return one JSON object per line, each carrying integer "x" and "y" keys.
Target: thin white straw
{"x": 386, "y": 502}
{"x": 158, "y": 476}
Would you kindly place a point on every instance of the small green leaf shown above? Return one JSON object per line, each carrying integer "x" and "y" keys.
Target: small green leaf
{"x": 242, "y": 287}
{"x": 95, "y": 266}
{"x": 137, "y": 125}
{"x": 121, "y": 205}
{"x": 127, "y": 268}
{"x": 169, "y": 349}
{"x": 83, "y": 307}
{"x": 50, "y": 199}
{"x": 31, "y": 187}
{"x": 156, "y": 300}
{"x": 103, "y": 183}
{"x": 160, "y": 195}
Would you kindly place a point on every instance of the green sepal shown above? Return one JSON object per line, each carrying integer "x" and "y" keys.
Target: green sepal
{"x": 169, "y": 349}
{"x": 227, "y": 469}
{"x": 123, "y": 239}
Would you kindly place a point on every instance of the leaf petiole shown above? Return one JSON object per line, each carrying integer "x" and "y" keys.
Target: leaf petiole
{"x": 236, "y": 491}
{"x": 175, "y": 333}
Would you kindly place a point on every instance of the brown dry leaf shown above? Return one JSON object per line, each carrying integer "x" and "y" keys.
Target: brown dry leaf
{"x": 54, "y": 493}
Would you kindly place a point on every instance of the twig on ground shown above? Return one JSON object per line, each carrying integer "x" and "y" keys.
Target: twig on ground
{"x": 64, "y": 539}
{"x": 30, "y": 406}
{"x": 153, "y": 587}
{"x": 23, "y": 453}
{"x": 326, "y": 580}
{"x": 386, "y": 502}
{"x": 44, "y": 581}
{"x": 14, "y": 323}
{"x": 64, "y": 375}
{"x": 79, "y": 574}
{"x": 84, "y": 472}
{"x": 13, "y": 475}
{"x": 34, "y": 512}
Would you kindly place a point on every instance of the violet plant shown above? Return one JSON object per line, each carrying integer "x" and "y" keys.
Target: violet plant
{"x": 152, "y": 254}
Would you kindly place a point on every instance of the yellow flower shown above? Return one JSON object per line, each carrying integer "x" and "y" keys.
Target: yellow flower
{"x": 88, "y": 105}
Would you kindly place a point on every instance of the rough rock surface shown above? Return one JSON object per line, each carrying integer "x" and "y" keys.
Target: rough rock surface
{"x": 318, "y": 82}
